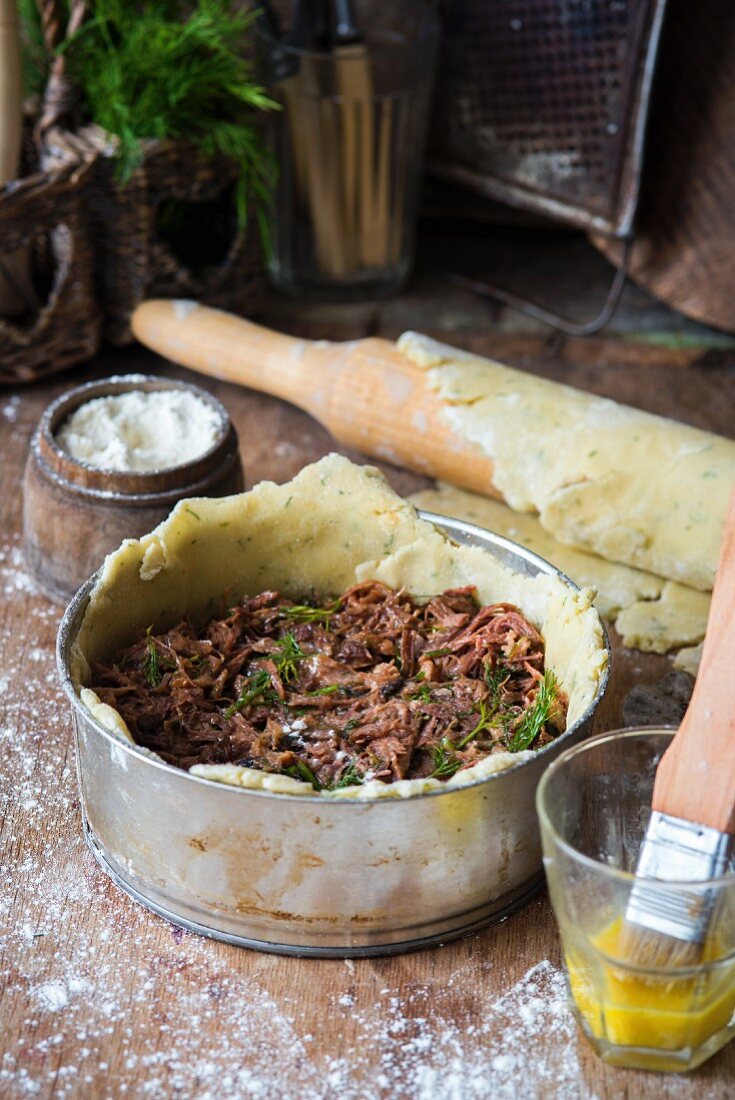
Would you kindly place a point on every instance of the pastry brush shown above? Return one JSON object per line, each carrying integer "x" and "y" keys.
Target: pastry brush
{"x": 690, "y": 838}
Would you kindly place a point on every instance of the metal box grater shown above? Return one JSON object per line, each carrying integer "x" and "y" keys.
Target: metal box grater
{"x": 543, "y": 104}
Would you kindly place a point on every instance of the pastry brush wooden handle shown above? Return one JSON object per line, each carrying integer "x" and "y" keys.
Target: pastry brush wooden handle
{"x": 365, "y": 392}
{"x": 695, "y": 779}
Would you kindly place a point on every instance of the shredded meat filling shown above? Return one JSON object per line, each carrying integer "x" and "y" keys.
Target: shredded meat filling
{"x": 370, "y": 686}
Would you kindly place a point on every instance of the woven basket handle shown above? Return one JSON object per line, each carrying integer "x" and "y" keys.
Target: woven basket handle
{"x": 60, "y": 94}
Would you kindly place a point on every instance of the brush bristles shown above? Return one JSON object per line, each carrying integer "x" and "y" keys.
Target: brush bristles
{"x": 651, "y": 950}
{"x": 670, "y": 907}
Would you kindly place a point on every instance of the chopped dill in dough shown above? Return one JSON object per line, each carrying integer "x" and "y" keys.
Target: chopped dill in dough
{"x": 334, "y": 693}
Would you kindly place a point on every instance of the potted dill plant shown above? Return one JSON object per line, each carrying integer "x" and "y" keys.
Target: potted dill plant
{"x": 166, "y": 103}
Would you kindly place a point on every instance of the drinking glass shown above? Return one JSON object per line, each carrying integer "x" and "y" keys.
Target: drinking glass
{"x": 649, "y": 1012}
{"x": 348, "y": 145}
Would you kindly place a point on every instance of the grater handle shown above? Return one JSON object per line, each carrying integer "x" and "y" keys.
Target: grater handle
{"x": 695, "y": 779}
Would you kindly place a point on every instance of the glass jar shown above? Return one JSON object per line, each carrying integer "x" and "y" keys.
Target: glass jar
{"x": 348, "y": 144}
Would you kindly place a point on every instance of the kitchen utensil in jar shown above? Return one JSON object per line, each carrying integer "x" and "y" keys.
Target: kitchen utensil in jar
{"x": 348, "y": 143}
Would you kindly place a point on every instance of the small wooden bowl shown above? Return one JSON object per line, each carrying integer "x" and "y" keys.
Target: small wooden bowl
{"x": 74, "y": 514}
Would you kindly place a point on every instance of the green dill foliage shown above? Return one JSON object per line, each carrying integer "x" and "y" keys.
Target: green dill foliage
{"x": 495, "y": 678}
{"x": 151, "y": 668}
{"x": 484, "y": 722}
{"x": 446, "y": 761}
{"x": 304, "y": 613}
{"x": 167, "y": 69}
{"x": 287, "y": 656}
{"x": 534, "y": 719}
{"x": 423, "y": 694}
{"x": 350, "y": 777}
{"x": 257, "y": 686}
{"x": 33, "y": 50}
{"x": 300, "y": 770}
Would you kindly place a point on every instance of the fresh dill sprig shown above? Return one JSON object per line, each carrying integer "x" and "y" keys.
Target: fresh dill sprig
{"x": 350, "y": 777}
{"x": 446, "y": 761}
{"x": 287, "y": 656}
{"x": 151, "y": 669}
{"x": 423, "y": 693}
{"x": 35, "y": 58}
{"x": 487, "y": 713}
{"x": 169, "y": 71}
{"x": 301, "y": 770}
{"x": 305, "y": 613}
{"x": 534, "y": 719}
{"x": 257, "y": 686}
{"x": 495, "y": 678}
{"x": 436, "y": 652}
{"x": 330, "y": 689}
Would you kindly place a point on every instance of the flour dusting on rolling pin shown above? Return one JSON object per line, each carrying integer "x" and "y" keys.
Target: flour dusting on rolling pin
{"x": 140, "y": 430}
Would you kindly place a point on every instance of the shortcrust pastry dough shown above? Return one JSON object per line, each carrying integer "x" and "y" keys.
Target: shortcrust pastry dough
{"x": 629, "y": 486}
{"x": 333, "y": 525}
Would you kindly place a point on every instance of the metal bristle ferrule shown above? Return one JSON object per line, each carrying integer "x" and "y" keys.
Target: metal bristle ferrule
{"x": 675, "y": 850}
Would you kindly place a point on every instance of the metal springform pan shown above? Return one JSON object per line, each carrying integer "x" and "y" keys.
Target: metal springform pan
{"x": 311, "y": 876}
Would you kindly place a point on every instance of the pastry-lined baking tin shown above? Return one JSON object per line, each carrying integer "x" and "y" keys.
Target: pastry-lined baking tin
{"x": 312, "y": 876}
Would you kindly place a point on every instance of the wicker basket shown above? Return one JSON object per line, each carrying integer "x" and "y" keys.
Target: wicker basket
{"x": 134, "y": 260}
{"x": 45, "y": 214}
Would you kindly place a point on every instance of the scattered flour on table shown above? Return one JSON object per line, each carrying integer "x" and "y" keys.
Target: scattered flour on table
{"x": 140, "y": 430}
{"x": 14, "y": 580}
{"x": 423, "y": 1055}
{"x": 10, "y": 409}
{"x": 86, "y": 965}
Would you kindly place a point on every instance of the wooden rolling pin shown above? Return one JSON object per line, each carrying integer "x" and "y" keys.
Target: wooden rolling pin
{"x": 365, "y": 392}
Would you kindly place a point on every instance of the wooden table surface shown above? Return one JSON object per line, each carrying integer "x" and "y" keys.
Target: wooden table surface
{"x": 102, "y": 999}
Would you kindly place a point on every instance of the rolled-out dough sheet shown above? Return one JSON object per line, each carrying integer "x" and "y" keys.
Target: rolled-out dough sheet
{"x": 631, "y": 487}
{"x": 688, "y": 659}
{"x": 677, "y": 618}
{"x": 650, "y": 613}
{"x": 617, "y": 585}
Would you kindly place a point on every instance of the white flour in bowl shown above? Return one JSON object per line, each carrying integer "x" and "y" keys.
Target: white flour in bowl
{"x": 140, "y": 430}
